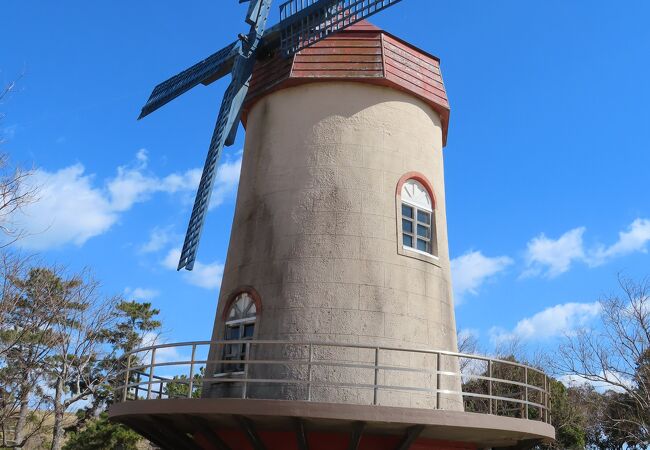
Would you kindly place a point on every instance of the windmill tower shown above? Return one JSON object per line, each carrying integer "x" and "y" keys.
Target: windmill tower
{"x": 340, "y": 232}
{"x": 335, "y": 324}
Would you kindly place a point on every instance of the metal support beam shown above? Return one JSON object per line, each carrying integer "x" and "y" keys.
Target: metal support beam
{"x": 171, "y": 434}
{"x": 301, "y": 434}
{"x": 150, "y": 436}
{"x": 355, "y": 437}
{"x": 410, "y": 437}
{"x": 249, "y": 429}
{"x": 206, "y": 430}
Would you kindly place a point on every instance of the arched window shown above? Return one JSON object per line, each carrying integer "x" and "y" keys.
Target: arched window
{"x": 418, "y": 219}
{"x": 240, "y": 326}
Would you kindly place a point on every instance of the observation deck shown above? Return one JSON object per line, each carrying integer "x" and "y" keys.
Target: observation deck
{"x": 178, "y": 398}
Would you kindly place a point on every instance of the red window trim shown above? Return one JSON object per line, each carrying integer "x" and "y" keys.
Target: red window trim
{"x": 244, "y": 290}
{"x": 419, "y": 177}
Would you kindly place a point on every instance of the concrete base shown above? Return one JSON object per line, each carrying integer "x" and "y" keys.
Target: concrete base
{"x": 236, "y": 424}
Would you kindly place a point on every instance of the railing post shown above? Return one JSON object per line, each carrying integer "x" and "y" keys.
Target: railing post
{"x": 151, "y": 366}
{"x": 526, "y": 393}
{"x": 547, "y": 389}
{"x": 244, "y": 392}
{"x": 491, "y": 409}
{"x": 191, "y": 382}
{"x": 438, "y": 379}
{"x": 126, "y": 378}
{"x": 375, "y": 389}
{"x": 309, "y": 373}
{"x": 138, "y": 378}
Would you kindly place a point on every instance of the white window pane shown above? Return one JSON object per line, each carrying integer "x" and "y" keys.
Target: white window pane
{"x": 414, "y": 193}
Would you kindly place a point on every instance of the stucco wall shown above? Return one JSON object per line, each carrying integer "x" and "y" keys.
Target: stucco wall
{"x": 315, "y": 229}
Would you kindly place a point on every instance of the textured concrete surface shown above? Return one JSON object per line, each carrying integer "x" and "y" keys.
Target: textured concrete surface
{"x": 315, "y": 230}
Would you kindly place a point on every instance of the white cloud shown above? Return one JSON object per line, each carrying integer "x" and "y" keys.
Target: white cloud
{"x": 72, "y": 207}
{"x": 472, "y": 269}
{"x": 172, "y": 258}
{"x": 553, "y": 257}
{"x": 163, "y": 354}
{"x": 159, "y": 238}
{"x": 634, "y": 239}
{"x": 133, "y": 184}
{"x": 612, "y": 381}
{"x": 225, "y": 182}
{"x": 468, "y": 333}
{"x": 140, "y": 294}
{"x": 142, "y": 156}
{"x": 69, "y": 210}
{"x": 552, "y": 322}
{"x": 207, "y": 276}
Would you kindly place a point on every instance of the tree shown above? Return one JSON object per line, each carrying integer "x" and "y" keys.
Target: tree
{"x": 61, "y": 342}
{"x": 468, "y": 345}
{"x": 75, "y": 366}
{"x": 616, "y": 356}
{"x": 567, "y": 417}
{"x": 15, "y": 190}
{"x": 134, "y": 321}
{"x": 179, "y": 387}
{"x": 101, "y": 434}
{"x": 33, "y": 301}
{"x": 567, "y": 414}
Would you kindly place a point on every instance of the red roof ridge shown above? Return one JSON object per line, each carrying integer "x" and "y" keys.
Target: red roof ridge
{"x": 363, "y": 25}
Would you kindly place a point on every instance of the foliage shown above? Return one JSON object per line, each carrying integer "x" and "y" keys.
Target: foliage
{"x": 100, "y": 434}
{"x": 32, "y": 308}
{"x": 616, "y": 356}
{"x": 179, "y": 387}
{"x": 567, "y": 417}
{"x": 61, "y": 342}
{"x": 134, "y": 320}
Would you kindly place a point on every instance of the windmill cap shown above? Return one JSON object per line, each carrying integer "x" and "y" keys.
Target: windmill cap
{"x": 362, "y": 53}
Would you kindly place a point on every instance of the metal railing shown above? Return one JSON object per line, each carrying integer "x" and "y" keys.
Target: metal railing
{"x": 305, "y": 370}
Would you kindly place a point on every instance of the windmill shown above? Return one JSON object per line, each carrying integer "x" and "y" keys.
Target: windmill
{"x": 302, "y": 23}
{"x": 335, "y": 324}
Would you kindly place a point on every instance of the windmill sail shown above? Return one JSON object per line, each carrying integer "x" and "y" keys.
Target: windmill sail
{"x": 305, "y": 22}
{"x": 228, "y": 117}
{"x": 211, "y": 68}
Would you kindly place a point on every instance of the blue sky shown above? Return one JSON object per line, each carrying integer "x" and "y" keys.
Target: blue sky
{"x": 546, "y": 163}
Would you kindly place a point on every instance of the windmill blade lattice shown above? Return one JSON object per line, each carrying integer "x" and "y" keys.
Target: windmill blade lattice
{"x": 227, "y": 122}
{"x": 305, "y": 22}
{"x": 228, "y": 114}
{"x": 211, "y": 68}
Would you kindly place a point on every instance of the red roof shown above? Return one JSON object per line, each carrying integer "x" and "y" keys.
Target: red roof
{"x": 365, "y": 53}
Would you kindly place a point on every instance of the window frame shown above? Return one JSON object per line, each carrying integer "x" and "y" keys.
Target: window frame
{"x": 415, "y": 223}
{"x": 240, "y": 324}
{"x": 402, "y": 248}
